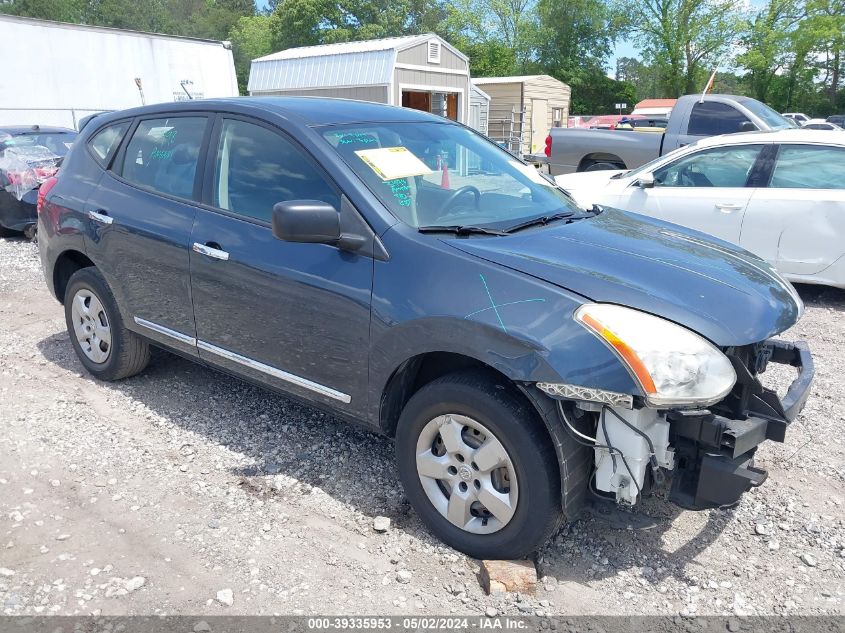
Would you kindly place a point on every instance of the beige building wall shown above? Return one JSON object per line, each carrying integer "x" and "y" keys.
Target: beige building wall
{"x": 518, "y": 95}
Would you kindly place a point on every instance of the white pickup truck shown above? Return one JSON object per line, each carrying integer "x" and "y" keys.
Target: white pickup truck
{"x": 693, "y": 117}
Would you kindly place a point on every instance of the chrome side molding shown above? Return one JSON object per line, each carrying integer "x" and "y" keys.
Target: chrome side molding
{"x": 155, "y": 327}
{"x": 248, "y": 362}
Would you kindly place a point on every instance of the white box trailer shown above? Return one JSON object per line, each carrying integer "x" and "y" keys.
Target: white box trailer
{"x": 57, "y": 73}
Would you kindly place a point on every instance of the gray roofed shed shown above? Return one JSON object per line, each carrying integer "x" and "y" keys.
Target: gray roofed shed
{"x": 423, "y": 72}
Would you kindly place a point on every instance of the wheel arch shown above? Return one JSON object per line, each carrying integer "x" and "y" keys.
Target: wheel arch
{"x": 67, "y": 263}
{"x": 600, "y": 157}
{"x": 573, "y": 459}
{"x": 416, "y": 372}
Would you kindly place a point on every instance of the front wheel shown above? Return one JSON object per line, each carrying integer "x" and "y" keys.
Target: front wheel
{"x": 478, "y": 466}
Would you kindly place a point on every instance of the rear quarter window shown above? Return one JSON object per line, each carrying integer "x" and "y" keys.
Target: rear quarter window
{"x": 104, "y": 143}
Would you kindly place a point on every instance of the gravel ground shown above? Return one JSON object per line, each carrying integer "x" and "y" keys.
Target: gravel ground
{"x": 183, "y": 491}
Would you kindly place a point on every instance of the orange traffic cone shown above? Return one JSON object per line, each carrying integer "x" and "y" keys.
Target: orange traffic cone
{"x": 444, "y": 179}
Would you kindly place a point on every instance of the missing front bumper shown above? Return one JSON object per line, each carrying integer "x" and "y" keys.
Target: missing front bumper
{"x": 715, "y": 449}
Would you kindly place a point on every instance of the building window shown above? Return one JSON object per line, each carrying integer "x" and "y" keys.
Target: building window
{"x": 433, "y": 52}
{"x": 557, "y": 117}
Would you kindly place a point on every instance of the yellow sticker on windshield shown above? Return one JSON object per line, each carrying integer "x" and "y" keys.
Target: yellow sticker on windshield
{"x": 390, "y": 163}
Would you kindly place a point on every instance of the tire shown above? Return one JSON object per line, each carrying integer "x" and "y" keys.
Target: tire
{"x": 603, "y": 166}
{"x": 111, "y": 352}
{"x": 531, "y": 479}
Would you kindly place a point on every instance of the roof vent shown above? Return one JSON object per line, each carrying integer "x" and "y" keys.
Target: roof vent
{"x": 433, "y": 52}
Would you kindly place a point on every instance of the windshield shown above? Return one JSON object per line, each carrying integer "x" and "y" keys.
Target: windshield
{"x": 774, "y": 120}
{"x": 58, "y": 143}
{"x": 433, "y": 174}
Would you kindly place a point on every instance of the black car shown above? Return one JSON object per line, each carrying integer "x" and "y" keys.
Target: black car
{"x": 403, "y": 272}
{"x": 28, "y": 155}
{"x": 838, "y": 119}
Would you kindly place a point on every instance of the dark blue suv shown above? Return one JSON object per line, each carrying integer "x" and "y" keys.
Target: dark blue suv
{"x": 401, "y": 271}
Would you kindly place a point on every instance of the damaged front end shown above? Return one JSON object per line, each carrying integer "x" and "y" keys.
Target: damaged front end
{"x": 702, "y": 450}
{"x": 714, "y": 448}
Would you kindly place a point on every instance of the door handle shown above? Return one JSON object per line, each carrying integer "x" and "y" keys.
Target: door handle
{"x": 210, "y": 251}
{"x": 727, "y": 207}
{"x": 100, "y": 216}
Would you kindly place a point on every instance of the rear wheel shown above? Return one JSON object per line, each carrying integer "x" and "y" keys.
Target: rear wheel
{"x": 104, "y": 346}
{"x": 478, "y": 466}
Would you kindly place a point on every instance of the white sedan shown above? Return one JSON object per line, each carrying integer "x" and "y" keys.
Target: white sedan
{"x": 820, "y": 124}
{"x": 778, "y": 194}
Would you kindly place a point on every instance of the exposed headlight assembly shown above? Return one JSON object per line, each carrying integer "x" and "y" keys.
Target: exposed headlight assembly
{"x": 672, "y": 365}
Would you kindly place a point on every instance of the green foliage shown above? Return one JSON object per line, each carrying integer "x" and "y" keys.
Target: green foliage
{"x": 793, "y": 56}
{"x": 788, "y": 53}
{"x": 59, "y": 10}
{"x": 597, "y": 94}
{"x": 684, "y": 39}
{"x": 211, "y": 19}
{"x": 309, "y": 22}
{"x": 251, "y": 37}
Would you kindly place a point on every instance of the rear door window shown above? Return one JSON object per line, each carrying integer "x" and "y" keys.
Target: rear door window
{"x": 256, "y": 167}
{"x": 710, "y": 118}
{"x": 162, "y": 155}
{"x": 809, "y": 167}
{"x": 105, "y": 142}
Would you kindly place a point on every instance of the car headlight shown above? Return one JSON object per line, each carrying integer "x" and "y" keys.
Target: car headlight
{"x": 672, "y": 365}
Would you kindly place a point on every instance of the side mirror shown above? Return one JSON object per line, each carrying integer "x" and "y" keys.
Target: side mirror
{"x": 645, "y": 181}
{"x": 312, "y": 222}
{"x": 747, "y": 126}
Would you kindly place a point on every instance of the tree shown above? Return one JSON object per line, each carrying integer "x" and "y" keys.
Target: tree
{"x": 767, "y": 42}
{"x": 825, "y": 24}
{"x": 685, "y": 38}
{"x": 139, "y": 15}
{"x": 59, "y": 10}
{"x": 645, "y": 78}
{"x": 501, "y": 32}
{"x": 575, "y": 36}
{"x": 598, "y": 94}
{"x": 251, "y": 38}
{"x": 215, "y": 18}
{"x": 309, "y": 22}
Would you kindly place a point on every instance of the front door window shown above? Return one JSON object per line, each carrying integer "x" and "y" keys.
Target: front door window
{"x": 717, "y": 167}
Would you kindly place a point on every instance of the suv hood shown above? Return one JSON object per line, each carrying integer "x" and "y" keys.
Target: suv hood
{"x": 722, "y": 292}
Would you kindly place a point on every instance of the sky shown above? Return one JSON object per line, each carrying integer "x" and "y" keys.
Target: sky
{"x": 622, "y": 49}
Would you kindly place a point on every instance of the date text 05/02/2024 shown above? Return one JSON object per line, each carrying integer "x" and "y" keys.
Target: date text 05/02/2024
{"x": 423, "y": 623}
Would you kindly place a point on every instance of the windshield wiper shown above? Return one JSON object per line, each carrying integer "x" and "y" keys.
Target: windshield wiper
{"x": 543, "y": 219}
{"x": 460, "y": 230}
{"x": 620, "y": 174}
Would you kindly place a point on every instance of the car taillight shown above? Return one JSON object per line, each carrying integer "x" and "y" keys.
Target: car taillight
{"x": 14, "y": 177}
{"x": 43, "y": 190}
{"x": 548, "y": 149}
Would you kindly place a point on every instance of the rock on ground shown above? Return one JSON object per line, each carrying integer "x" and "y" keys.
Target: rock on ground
{"x": 499, "y": 576}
